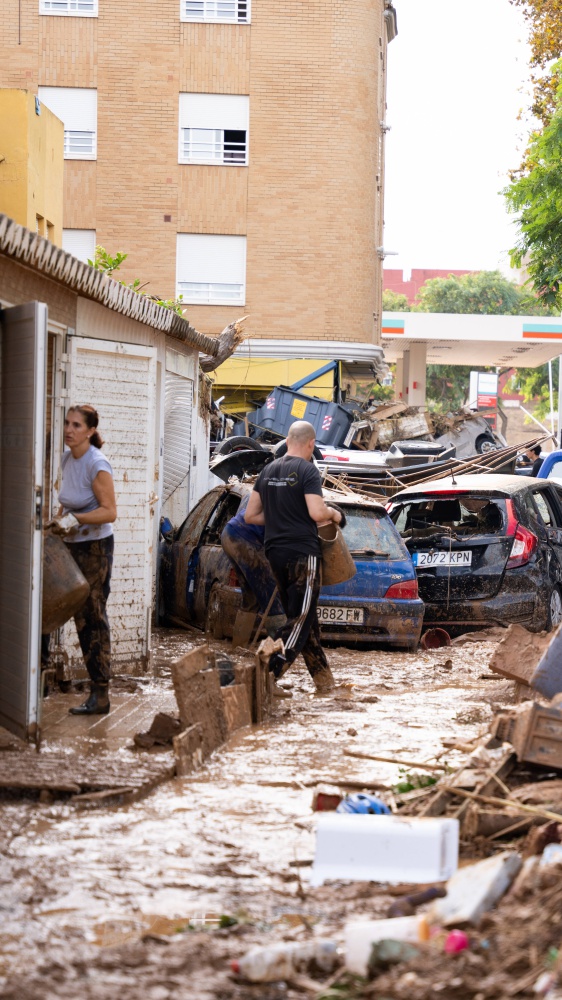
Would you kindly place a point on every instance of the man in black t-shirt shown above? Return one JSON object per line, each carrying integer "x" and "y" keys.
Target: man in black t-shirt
{"x": 287, "y": 498}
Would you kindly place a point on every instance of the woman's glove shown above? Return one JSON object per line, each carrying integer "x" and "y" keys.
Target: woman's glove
{"x": 67, "y": 524}
{"x": 334, "y": 506}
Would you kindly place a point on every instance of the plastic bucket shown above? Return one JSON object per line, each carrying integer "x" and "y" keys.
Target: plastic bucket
{"x": 65, "y": 588}
{"x": 337, "y": 563}
{"x": 435, "y": 638}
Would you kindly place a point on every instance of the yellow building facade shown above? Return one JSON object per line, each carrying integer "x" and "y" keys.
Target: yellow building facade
{"x": 31, "y": 163}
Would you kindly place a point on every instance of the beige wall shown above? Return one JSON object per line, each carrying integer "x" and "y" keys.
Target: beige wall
{"x": 310, "y": 201}
{"x": 31, "y": 169}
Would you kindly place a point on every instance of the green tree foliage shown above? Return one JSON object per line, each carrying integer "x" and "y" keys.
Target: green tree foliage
{"x": 104, "y": 261}
{"x": 536, "y": 196}
{"x": 544, "y": 18}
{"x": 394, "y": 302}
{"x": 532, "y": 383}
{"x": 484, "y": 292}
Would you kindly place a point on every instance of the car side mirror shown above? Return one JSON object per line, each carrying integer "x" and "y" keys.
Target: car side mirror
{"x": 167, "y": 530}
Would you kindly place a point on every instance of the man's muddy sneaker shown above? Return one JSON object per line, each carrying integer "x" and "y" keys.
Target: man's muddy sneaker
{"x": 324, "y": 681}
{"x": 280, "y": 692}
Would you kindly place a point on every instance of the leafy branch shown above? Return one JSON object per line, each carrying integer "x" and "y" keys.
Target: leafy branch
{"x": 104, "y": 261}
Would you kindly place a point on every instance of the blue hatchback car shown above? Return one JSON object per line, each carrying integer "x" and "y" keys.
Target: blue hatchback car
{"x": 380, "y": 605}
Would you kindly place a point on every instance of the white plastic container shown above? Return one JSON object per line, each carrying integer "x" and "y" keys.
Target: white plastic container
{"x": 361, "y": 935}
{"x": 283, "y": 960}
{"x": 385, "y": 848}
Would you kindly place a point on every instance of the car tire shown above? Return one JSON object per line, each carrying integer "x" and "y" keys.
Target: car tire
{"x": 281, "y": 449}
{"x": 485, "y": 444}
{"x": 237, "y": 443}
{"x": 554, "y": 609}
{"x": 213, "y": 618}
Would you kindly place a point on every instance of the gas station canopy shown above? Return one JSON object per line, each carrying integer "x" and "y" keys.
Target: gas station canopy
{"x": 460, "y": 339}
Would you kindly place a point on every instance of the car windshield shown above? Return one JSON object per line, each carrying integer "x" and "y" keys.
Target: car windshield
{"x": 461, "y": 514}
{"x": 369, "y": 533}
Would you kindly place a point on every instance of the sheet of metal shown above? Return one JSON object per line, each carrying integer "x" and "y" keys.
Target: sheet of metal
{"x": 22, "y": 448}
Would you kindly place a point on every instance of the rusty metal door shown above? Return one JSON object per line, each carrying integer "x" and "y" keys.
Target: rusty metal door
{"x": 22, "y": 448}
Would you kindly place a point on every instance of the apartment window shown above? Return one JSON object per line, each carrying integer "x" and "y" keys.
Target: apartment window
{"x": 211, "y": 270}
{"x": 78, "y": 110}
{"x": 81, "y": 243}
{"x": 214, "y": 129}
{"x": 225, "y": 11}
{"x": 74, "y": 8}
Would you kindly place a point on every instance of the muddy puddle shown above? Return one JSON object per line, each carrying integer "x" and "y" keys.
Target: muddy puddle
{"x": 236, "y": 839}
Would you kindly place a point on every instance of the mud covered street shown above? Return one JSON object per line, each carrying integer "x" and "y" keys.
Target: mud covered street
{"x": 126, "y": 901}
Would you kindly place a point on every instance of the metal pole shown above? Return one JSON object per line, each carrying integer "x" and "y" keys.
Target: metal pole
{"x": 560, "y": 401}
{"x": 551, "y": 397}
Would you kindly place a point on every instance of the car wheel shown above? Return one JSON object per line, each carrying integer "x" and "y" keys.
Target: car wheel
{"x": 281, "y": 449}
{"x": 554, "y": 609}
{"x": 485, "y": 444}
{"x": 237, "y": 443}
{"x": 213, "y": 619}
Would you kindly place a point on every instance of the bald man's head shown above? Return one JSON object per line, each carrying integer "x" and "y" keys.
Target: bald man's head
{"x": 301, "y": 431}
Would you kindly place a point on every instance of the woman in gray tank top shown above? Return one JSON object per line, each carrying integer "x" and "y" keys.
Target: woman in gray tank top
{"x": 85, "y": 518}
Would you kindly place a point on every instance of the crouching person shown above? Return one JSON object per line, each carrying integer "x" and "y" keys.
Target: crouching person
{"x": 244, "y": 546}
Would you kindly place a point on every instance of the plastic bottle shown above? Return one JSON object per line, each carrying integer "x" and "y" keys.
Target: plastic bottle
{"x": 361, "y": 935}
{"x": 281, "y": 961}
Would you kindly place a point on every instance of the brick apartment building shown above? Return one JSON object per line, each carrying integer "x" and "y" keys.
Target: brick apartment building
{"x": 233, "y": 148}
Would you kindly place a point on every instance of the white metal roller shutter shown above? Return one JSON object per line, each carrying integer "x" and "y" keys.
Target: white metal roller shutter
{"x": 120, "y": 381}
{"x": 81, "y": 243}
{"x": 178, "y": 411}
{"x": 222, "y": 111}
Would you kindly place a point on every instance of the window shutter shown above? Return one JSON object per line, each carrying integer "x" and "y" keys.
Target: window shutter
{"x": 211, "y": 269}
{"x": 77, "y": 8}
{"x": 78, "y": 110}
{"x": 218, "y": 111}
{"x": 178, "y": 409}
{"x": 81, "y": 243}
{"x": 229, "y": 11}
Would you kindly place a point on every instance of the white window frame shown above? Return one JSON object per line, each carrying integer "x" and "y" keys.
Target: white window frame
{"x": 69, "y": 8}
{"x": 80, "y": 240}
{"x": 211, "y": 269}
{"x": 216, "y": 11}
{"x": 204, "y": 123}
{"x": 77, "y": 108}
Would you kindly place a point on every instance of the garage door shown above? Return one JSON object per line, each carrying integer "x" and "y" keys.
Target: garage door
{"x": 120, "y": 381}
{"x": 22, "y": 444}
{"x": 177, "y": 439}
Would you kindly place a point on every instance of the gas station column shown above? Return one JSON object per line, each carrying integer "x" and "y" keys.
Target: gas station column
{"x": 416, "y": 376}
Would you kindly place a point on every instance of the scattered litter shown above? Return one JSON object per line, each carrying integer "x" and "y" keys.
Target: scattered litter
{"x": 384, "y": 848}
{"x": 361, "y": 935}
{"x": 473, "y": 890}
{"x": 281, "y": 961}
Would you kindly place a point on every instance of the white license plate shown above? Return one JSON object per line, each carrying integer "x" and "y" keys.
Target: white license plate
{"x": 442, "y": 558}
{"x": 347, "y": 616}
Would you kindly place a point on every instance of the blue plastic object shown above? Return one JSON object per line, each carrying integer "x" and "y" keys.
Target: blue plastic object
{"x": 362, "y": 803}
{"x": 166, "y": 526}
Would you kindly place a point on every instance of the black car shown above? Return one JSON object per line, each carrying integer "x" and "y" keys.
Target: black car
{"x": 487, "y": 550}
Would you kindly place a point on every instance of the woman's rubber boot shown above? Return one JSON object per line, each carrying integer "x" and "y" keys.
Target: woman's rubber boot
{"x": 97, "y": 702}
